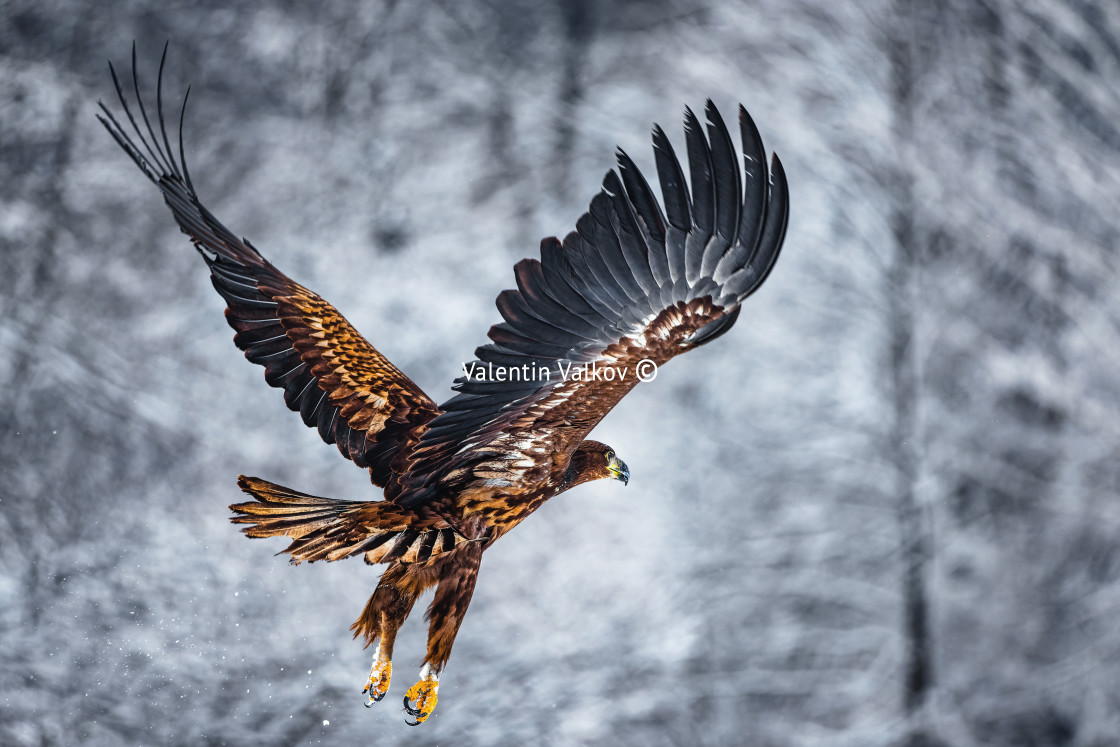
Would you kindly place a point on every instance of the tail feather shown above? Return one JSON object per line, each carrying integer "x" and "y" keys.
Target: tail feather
{"x": 280, "y": 511}
{"x": 331, "y": 529}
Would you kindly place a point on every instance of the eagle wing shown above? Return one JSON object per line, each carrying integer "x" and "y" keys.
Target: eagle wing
{"x": 632, "y": 283}
{"x": 331, "y": 376}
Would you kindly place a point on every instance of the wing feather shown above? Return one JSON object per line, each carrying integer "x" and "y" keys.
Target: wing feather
{"x": 593, "y": 266}
{"x": 756, "y": 188}
{"x": 558, "y": 277}
{"x": 535, "y": 290}
{"x": 515, "y": 310}
{"x": 604, "y": 242}
{"x": 678, "y": 209}
{"x": 338, "y": 383}
{"x": 623, "y": 224}
{"x": 703, "y": 196}
{"x": 727, "y": 178}
{"x": 747, "y": 280}
{"x": 631, "y": 283}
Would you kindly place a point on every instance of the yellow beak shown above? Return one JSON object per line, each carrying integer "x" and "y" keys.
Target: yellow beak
{"x": 619, "y": 470}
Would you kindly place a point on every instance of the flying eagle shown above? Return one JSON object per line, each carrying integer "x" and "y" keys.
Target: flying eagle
{"x": 633, "y": 286}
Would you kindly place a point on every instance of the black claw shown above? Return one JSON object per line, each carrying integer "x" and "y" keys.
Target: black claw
{"x": 373, "y": 698}
{"x": 412, "y": 723}
{"x": 409, "y": 709}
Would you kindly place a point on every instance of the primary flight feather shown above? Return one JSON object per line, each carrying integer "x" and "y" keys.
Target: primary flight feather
{"x": 632, "y": 287}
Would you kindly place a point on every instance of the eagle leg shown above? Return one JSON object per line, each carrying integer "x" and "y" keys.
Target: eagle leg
{"x": 382, "y": 617}
{"x": 379, "y": 675}
{"x": 425, "y": 693}
{"x": 445, "y": 615}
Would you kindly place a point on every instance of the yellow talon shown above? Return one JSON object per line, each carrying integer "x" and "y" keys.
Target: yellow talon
{"x": 379, "y": 675}
{"x": 378, "y": 683}
{"x": 424, "y": 694}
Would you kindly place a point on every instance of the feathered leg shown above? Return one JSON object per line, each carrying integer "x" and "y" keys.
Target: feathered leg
{"x": 445, "y": 614}
{"x": 383, "y": 616}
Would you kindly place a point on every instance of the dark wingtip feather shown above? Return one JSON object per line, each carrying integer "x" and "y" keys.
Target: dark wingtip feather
{"x": 750, "y": 278}
{"x": 153, "y": 149}
{"x": 700, "y": 169}
{"x": 641, "y": 197}
{"x": 754, "y": 154}
{"x": 182, "y": 150}
{"x": 727, "y": 178}
{"x": 674, "y": 191}
{"x": 776, "y": 237}
{"x": 756, "y": 183}
{"x": 159, "y": 112}
{"x": 703, "y": 195}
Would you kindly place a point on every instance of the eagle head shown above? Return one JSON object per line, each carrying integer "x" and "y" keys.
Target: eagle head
{"x": 595, "y": 461}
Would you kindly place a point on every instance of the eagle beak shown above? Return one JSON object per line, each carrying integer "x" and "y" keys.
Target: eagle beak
{"x": 619, "y": 470}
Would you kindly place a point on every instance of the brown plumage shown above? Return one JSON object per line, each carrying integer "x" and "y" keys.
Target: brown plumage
{"x": 632, "y": 287}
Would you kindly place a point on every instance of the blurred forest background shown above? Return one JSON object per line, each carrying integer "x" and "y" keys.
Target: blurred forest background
{"x": 883, "y": 510}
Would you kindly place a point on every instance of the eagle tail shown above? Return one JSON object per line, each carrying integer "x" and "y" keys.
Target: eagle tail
{"x": 333, "y": 529}
{"x": 320, "y": 528}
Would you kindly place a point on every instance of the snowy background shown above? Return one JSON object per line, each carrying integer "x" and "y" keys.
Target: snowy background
{"x": 883, "y": 510}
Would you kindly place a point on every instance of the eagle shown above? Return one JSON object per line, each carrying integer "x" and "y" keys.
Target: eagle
{"x": 638, "y": 282}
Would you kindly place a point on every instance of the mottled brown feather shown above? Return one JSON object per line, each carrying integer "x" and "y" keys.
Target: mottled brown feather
{"x": 371, "y": 394}
{"x": 331, "y": 375}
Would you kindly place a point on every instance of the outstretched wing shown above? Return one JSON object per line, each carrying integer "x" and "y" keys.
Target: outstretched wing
{"x": 631, "y": 284}
{"x": 330, "y": 375}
